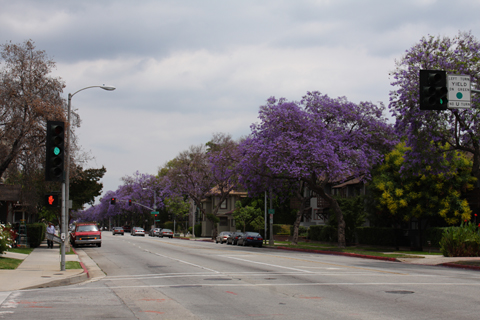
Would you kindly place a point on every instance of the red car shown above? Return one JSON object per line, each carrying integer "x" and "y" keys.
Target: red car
{"x": 86, "y": 233}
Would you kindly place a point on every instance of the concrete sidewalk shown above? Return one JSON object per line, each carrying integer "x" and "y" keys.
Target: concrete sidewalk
{"x": 41, "y": 269}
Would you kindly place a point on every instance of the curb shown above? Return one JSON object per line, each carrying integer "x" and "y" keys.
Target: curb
{"x": 460, "y": 266}
{"x": 85, "y": 270}
{"x": 356, "y": 255}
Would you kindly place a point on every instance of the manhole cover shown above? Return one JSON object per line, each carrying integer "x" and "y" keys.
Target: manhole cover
{"x": 46, "y": 277}
{"x": 155, "y": 266}
{"x": 270, "y": 278}
{"x": 58, "y": 274}
{"x": 187, "y": 286}
{"x": 400, "y": 292}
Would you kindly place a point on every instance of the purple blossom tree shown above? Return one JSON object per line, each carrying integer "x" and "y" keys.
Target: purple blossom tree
{"x": 427, "y": 132}
{"x": 205, "y": 170}
{"x": 317, "y": 141}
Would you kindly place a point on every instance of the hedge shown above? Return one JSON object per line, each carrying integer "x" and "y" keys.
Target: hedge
{"x": 35, "y": 234}
{"x": 324, "y": 233}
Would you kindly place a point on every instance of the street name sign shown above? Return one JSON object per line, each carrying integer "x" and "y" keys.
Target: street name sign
{"x": 459, "y": 91}
{"x": 154, "y": 212}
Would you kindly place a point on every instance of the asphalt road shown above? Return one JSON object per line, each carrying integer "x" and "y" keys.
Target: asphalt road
{"x": 153, "y": 278}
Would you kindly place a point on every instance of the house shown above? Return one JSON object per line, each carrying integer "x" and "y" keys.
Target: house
{"x": 315, "y": 208}
{"x": 227, "y": 222}
{"x": 10, "y": 195}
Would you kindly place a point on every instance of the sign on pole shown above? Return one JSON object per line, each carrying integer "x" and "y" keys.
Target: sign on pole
{"x": 154, "y": 212}
{"x": 459, "y": 91}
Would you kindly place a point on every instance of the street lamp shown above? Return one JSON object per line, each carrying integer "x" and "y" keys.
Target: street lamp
{"x": 66, "y": 198}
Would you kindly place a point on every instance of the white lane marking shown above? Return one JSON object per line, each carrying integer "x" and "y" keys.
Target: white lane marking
{"x": 270, "y": 265}
{"x": 3, "y": 296}
{"x": 183, "y": 261}
{"x": 270, "y": 284}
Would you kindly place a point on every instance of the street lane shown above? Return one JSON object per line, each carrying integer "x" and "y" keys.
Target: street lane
{"x": 154, "y": 278}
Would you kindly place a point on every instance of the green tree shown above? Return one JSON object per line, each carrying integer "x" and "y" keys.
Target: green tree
{"x": 248, "y": 215}
{"x": 406, "y": 195}
{"x": 85, "y": 186}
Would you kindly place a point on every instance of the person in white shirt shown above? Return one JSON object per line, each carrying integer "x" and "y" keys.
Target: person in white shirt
{"x": 51, "y": 230}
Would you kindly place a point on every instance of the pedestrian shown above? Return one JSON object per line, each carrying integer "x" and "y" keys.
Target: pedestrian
{"x": 50, "y": 230}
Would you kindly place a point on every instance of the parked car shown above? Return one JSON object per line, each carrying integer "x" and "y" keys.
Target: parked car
{"x": 127, "y": 228}
{"x": 222, "y": 237}
{"x": 118, "y": 230}
{"x": 250, "y": 239}
{"x": 154, "y": 232}
{"x": 137, "y": 231}
{"x": 233, "y": 238}
{"x": 86, "y": 233}
{"x": 166, "y": 233}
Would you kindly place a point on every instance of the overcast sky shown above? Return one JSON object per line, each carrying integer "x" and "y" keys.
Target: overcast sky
{"x": 187, "y": 69}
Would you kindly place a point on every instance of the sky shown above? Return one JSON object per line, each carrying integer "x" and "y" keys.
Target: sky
{"x": 184, "y": 70}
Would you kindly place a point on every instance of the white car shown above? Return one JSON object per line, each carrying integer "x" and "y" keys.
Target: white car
{"x": 137, "y": 231}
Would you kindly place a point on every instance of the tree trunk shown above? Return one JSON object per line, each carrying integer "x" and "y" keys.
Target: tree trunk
{"x": 296, "y": 225}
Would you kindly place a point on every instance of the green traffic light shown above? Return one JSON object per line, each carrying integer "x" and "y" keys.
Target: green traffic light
{"x": 56, "y": 151}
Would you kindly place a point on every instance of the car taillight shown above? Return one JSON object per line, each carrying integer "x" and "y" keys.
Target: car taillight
{"x": 250, "y": 238}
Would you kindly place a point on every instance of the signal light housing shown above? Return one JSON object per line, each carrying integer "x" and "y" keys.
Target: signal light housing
{"x": 51, "y": 200}
{"x": 433, "y": 90}
{"x": 55, "y": 151}
{"x": 113, "y": 201}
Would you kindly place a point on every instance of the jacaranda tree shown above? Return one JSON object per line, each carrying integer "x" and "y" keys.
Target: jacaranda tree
{"x": 428, "y": 132}
{"x": 318, "y": 141}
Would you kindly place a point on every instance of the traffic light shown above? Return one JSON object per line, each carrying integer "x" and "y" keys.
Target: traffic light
{"x": 113, "y": 200}
{"x": 129, "y": 202}
{"x": 51, "y": 200}
{"x": 433, "y": 90}
{"x": 55, "y": 151}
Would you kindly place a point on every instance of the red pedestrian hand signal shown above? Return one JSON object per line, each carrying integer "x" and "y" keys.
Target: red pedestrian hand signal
{"x": 50, "y": 200}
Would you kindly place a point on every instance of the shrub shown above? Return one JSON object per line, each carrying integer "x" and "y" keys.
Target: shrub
{"x": 301, "y": 230}
{"x": 35, "y": 234}
{"x": 283, "y": 229}
{"x": 434, "y": 235}
{"x": 462, "y": 241}
{"x": 6, "y": 238}
{"x": 323, "y": 233}
{"x": 376, "y": 236}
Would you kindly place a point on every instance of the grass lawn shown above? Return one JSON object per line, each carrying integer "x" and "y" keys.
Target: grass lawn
{"x": 9, "y": 263}
{"x": 475, "y": 263}
{"x": 72, "y": 265}
{"x": 21, "y": 250}
{"x": 363, "y": 250}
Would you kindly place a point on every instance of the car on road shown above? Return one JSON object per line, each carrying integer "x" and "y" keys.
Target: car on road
{"x": 250, "y": 239}
{"x": 127, "y": 228}
{"x": 137, "y": 231}
{"x": 154, "y": 232}
{"x": 86, "y": 233}
{"x": 118, "y": 230}
{"x": 222, "y": 237}
{"x": 166, "y": 233}
{"x": 233, "y": 238}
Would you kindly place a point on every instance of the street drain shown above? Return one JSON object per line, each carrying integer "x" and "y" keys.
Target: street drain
{"x": 46, "y": 277}
{"x": 217, "y": 279}
{"x": 400, "y": 292}
{"x": 187, "y": 286}
{"x": 270, "y": 278}
{"x": 155, "y": 266}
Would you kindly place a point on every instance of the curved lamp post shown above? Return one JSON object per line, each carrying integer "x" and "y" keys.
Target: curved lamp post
{"x": 66, "y": 189}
